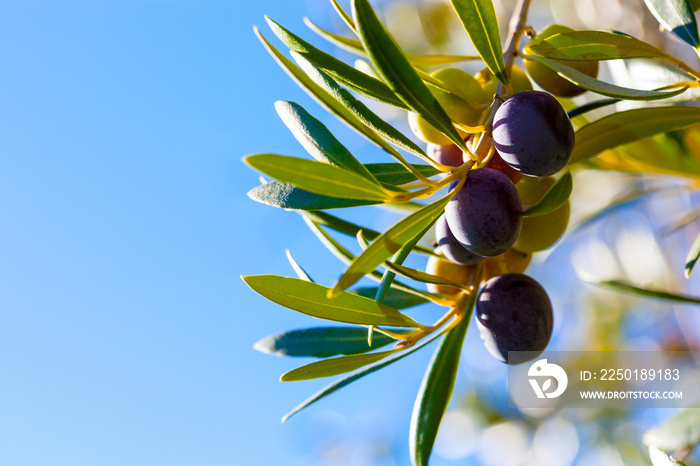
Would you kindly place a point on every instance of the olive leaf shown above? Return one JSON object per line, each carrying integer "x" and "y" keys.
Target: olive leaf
{"x": 334, "y": 366}
{"x": 288, "y": 196}
{"x": 676, "y": 16}
{"x": 322, "y": 342}
{"x": 628, "y": 288}
{"x": 298, "y": 269}
{"x": 479, "y": 20}
{"x": 692, "y": 256}
{"x": 555, "y": 197}
{"x": 311, "y": 299}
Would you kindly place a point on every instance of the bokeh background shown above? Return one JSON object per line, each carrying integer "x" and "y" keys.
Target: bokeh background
{"x": 126, "y": 332}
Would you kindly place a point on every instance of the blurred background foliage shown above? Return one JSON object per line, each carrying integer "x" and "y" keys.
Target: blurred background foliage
{"x": 635, "y": 213}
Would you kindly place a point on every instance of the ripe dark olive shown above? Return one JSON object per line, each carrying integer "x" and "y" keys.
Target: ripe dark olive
{"x": 450, "y": 247}
{"x": 449, "y": 155}
{"x": 533, "y": 133}
{"x": 485, "y": 216}
{"x": 514, "y": 313}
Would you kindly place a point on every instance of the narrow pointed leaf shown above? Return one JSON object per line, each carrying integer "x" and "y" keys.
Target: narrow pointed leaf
{"x": 436, "y": 390}
{"x": 345, "y": 74}
{"x": 334, "y": 366}
{"x": 631, "y": 125}
{"x": 395, "y": 298}
{"x": 594, "y": 46}
{"x": 322, "y": 96}
{"x": 676, "y": 16}
{"x": 345, "y": 381}
{"x": 555, "y": 197}
{"x": 590, "y": 106}
{"x": 391, "y": 241}
{"x": 603, "y": 88}
{"x": 288, "y": 196}
{"x": 396, "y": 174}
{"x": 311, "y": 299}
{"x": 317, "y": 177}
{"x": 680, "y": 432}
{"x": 479, "y": 19}
{"x": 623, "y": 287}
{"x": 692, "y": 257}
{"x": 355, "y": 46}
{"x": 347, "y": 19}
{"x": 397, "y": 71}
{"x": 378, "y": 131}
{"x": 318, "y": 141}
{"x": 322, "y": 342}
{"x": 420, "y": 276}
{"x": 298, "y": 269}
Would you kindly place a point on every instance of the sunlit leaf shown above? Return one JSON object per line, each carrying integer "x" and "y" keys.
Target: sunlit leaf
{"x": 479, "y": 19}
{"x": 334, "y": 366}
{"x": 590, "y": 106}
{"x": 318, "y": 141}
{"x": 397, "y": 71}
{"x": 391, "y": 241}
{"x": 692, "y": 256}
{"x": 660, "y": 458}
{"x": 436, "y": 390}
{"x": 631, "y": 125}
{"x": 676, "y": 16}
{"x": 345, "y": 381}
{"x": 311, "y": 299}
{"x": 678, "y": 433}
{"x": 322, "y": 342}
{"x": 288, "y": 196}
{"x": 317, "y": 177}
{"x": 345, "y": 74}
{"x": 600, "y": 87}
{"x": 555, "y": 197}
{"x": 420, "y": 276}
{"x": 395, "y": 298}
{"x": 396, "y": 174}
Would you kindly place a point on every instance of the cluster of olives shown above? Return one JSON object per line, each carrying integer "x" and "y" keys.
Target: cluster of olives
{"x": 533, "y": 139}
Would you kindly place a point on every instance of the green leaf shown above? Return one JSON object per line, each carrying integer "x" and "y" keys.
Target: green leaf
{"x": 479, "y": 19}
{"x": 621, "y": 286}
{"x": 298, "y": 269}
{"x": 334, "y": 366}
{"x": 391, "y": 241}
{"x": 396, "y": 174}
{"x": 678, "y": 433}
{"x": 397, "y": 71}
{"x": 590, "y": 106}
{"x": 317, "y": 140}
{"x": 328, "y": 101}
{"x": 317, "y": 177}
{"x": 555, "y": 197}
{"x": 347, "y": 75}
{"x": 347, "y": 19}
{"x": 377, "y": 130}
{"x": 395, "y": 298}
{"x": 692, "y": 257}
{"x": 354, "y": 46}
{"x": 676, "y": 16}
{"x": 351, "y": 229}
{"x": 421, "y": 276}
{"x": 322, "y": 342}
{"x": 288, "y": 196}
{"x": 594, "y": 46}
{"x": 631, "y": 125}
{"x": 436, "y": 390}
{"x": 345, "y": 381}
{"x": 603, "y": 88}
{"x": 311, "y": 299}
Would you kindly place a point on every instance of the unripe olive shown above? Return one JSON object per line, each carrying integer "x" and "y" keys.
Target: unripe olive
{"x": 458, "y": 109}
{"x": 449, "y": 155}
{"x": 518, "y": 80}
{"x": 511, "y": 261}
{"x": 547, "y": 78}
{"x": 448, "y": 270}
{"x": 540, "y": 233}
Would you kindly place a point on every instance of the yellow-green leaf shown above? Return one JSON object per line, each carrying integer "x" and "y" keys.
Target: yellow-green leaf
{"x": 554, "y": 198}
{"x": 333, "y": 366}
{"x": 676, "y": 16}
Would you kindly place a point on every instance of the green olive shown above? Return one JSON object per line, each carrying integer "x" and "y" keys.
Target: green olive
{"x": 518, "y": 79}
{"x": 511, "y": 261}
{"x": 448, "y": 270}
{"x": 547, "y": 78}
{"x": 540, "y": 233}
